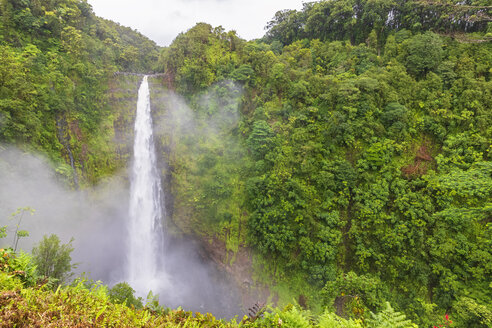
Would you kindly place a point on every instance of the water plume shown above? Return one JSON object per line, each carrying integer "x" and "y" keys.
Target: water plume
{"x": 145, "y": 235}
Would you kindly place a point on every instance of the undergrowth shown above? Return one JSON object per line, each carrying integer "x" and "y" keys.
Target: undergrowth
{"x": 30, "y": 300}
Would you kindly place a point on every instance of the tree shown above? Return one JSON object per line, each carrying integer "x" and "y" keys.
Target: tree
{"x": 123, "y": 293}
{"x": 71, "y": 40}
{"x": 53, "y": 259}
{"x": 285, "y": 27}
{"x": 261, "y": 139}
{"x": 424, "y": 53}
{"x": 19, "y": 233}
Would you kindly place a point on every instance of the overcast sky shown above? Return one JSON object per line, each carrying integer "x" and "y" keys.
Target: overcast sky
{"x": 163, "y": 20}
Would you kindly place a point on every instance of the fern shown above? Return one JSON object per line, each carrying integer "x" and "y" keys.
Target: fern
{"x": 389, "y": 318}
{"x": 290, "y": 317}
{"x": 23, "y": 265}
{"x": 8, "y": 282}
{"x": 331, "y": 320}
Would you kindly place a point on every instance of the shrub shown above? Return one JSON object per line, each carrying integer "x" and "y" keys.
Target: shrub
{"x": 53, "y": 260}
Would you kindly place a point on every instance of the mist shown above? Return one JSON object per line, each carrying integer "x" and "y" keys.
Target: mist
{"x": 205, "y": 123}
{"x": 97, "y": 218}
{"x": 190, "y": 129}
{"x": 217, "y": 109}
{"x": 27, "y": 180}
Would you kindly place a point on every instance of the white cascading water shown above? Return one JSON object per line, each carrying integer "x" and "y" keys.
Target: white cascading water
{"x": 146, "y": 208}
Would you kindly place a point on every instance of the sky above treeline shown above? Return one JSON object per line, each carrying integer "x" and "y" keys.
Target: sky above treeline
{"x": 163, "y": 20}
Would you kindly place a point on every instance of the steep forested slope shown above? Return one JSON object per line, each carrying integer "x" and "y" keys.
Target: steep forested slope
{"x": 57, "y": 62}
{"x": 360, "y": 163}
{"x": 349, "y": 149}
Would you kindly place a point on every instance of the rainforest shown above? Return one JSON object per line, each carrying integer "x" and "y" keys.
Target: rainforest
{"x": 336, "y": 172}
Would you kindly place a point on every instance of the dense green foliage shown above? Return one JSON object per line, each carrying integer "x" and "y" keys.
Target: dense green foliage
{"x": 350, "y": 148}
{"x": 123, "y": 293}
{"x": 362, "y": 21}
{"x": 52, "y": 259}
{"x": 368, "y": 169}
{"x": 57, "y": 59}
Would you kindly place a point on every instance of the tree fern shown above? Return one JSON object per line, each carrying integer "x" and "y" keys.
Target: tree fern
{"x": 389, "y": 318}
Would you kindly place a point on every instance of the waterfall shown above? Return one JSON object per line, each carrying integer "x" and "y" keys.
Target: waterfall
{"x": 146, "y": 207}
{"x": 178, "y": 273}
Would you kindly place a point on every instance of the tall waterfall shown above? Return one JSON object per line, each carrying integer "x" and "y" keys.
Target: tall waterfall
{"x": 145, "y": 228}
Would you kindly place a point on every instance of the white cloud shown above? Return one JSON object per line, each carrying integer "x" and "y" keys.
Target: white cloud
{"x": 163, "y": 20}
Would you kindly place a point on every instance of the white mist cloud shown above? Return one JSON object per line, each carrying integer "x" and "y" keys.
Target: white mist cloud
{"x": 96, "y": 222}
{"x": 163, "y": 20}
{"x": 205, "y": 125}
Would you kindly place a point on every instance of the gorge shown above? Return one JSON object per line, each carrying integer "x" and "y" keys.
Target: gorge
{"x": 338, "y": 168}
